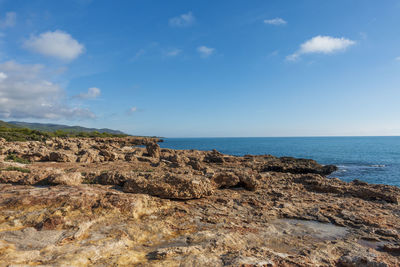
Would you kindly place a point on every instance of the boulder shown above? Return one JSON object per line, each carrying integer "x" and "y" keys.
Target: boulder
{"x": 88, "y": 156}
{"x": 249, "y": 180}
{"x": 71, "y": 178}
{"x": 297, "y": 166}
{"x": 111, "y": 178}
{"x": 214, "y": 157}
{"x": 108, "y": 155}
{"x": 130, "y": 157}
{"x": 153, "y": 150}
{"x": 225, "y": 179}
{"x": 171, "y": 186}
{"x": 62, "y": 157}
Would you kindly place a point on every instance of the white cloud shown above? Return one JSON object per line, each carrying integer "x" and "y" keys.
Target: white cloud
{"x": 56, "y": 44}
{"x": 397, "y": 58}
{"x": 9, "y": 20}
{"x": 139, "y": 54}
{"x": 24, "y": 93}
{"x": 131, "y": 110}
{"x": 3, "y": 76}
{"x": 322, "y": 45}
{"x": 183, "y": 20}
{"x": 275, "y": 21}
{"x": 205, "y": 51}
{"x": 173, "y": 52}
{"x": 92, "y": 93}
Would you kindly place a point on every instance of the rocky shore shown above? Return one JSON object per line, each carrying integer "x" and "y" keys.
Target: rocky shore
{"x": 127, "y": 202}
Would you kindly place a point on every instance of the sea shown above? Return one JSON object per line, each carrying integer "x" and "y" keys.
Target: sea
{"x": 370, "y": 159}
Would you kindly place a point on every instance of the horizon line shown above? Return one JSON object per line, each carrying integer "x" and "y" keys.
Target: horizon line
{"x": 300, "y": 136}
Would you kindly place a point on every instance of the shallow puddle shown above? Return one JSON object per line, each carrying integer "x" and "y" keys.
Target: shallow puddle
{"x": 372, "y": 244}
{"x": 314, "y": 229}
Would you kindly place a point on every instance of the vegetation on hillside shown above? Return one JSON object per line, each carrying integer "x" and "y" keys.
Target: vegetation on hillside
{"x": 15, "y": 133}
{"x": 51, "y": 127}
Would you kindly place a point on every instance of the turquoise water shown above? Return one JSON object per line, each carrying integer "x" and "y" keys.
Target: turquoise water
{"x": 371, "y": 159}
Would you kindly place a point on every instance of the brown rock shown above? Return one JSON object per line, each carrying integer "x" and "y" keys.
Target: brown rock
{"x": 50, "y": 223}
{"x": 111, "y": 178}
{"x": 225, "y": 179}
{"x": 153, "y": 150}
{"x": 88, "y": 156}
{"x": 171, "y": 186}
{"x": 62, "y": 157}
{"x": 294, "y": 217}
{"x": 214, "y": 157}
{"x": 72, "y": 178}
{"x": 249, "y": 180}
{"x": 108, "y": 155}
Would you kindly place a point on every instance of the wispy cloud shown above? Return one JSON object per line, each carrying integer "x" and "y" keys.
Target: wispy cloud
{"x": 139, "y": 54}
{"x": 132, "y": 110}
{"x": 173, "y": 52}
{"x": 9, "y": 20}
{"x": 92, "y": 93}
{"x": 275, "y": 21}
{"x": 397, "y": 58}
{"x": 205, "y": 51}
{"x": 58, "y": 44}
{"x": 322, "y": 45}
{"x": 183, "y": 20}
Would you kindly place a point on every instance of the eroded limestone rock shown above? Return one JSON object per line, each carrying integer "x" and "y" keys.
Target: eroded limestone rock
{"x": 171, "y": 186}
{"x": 186, "y": 208}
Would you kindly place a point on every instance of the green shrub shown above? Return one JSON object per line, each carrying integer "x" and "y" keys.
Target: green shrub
{"x": 18, "y": 169}
{"x": 15, "y": 158}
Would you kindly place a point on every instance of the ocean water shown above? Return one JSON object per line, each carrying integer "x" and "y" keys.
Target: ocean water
{"x": 371, "y": 159}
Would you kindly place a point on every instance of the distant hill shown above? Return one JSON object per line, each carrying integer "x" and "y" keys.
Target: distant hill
{"x": 7, "y": 125}
{"x": 49, "y": 127}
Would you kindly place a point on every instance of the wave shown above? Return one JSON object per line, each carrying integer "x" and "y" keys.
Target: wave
{"x": 354, "y": 166}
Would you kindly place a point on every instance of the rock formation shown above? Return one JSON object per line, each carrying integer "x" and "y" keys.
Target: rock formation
{"x": 127, "y": 202}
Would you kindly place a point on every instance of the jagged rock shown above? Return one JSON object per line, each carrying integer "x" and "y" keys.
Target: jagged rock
{"x": 108, "y": 155}
{"x": 37, "y": 154}
{"x": 146, "y": 159}
{"x": 187, "y": 208}
{"x": 170, "y": 186}
{"x": 321, "y": 184}
{"x": 72, "y": 178}
{"x": 130, "y": 157}
{"x": 62, "y": 157}
{"x": 88, "y": 156}
{"x": 15, "y": 177}
{"x": 393, "y": 249}
{"x": 249, "y": 180}
{"x": 111, "y": 178}
{"x": 153, "y": 150}
{"x": 214, "y": 157}
{"x": 177, "y": 161}
{"x": 50, "y": 223}
{"x": 297, "y": 166}
{"x": 196, "y": 165}
{"x": 357, "y": 261}
{"x": 226, "y": 179}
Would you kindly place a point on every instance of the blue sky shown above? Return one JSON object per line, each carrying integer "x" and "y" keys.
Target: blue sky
{"x": 204, "y": 68}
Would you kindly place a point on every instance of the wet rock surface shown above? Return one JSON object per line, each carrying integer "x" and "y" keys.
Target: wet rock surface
{"x": 126, "y": 202}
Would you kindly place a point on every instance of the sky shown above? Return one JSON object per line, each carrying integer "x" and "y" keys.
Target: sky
{"x": 185, "y": 68}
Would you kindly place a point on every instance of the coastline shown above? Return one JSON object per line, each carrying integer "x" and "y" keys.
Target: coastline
{"x": 85, "y": 201}
{"x": 375, "y": 160}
